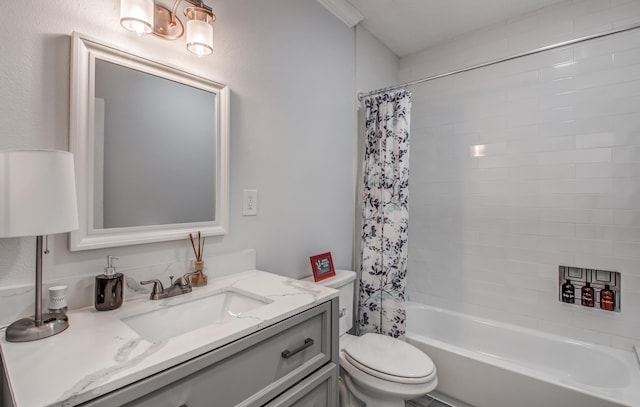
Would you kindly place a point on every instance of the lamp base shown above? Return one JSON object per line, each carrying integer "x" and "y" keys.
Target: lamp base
{"x": 25, "y": 329}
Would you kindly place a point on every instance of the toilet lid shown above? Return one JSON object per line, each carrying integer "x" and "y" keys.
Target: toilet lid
{"x": 389, "y": 358}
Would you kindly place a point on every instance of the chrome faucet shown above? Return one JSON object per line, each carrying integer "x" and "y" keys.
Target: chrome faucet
{"x": 182, "y": 285}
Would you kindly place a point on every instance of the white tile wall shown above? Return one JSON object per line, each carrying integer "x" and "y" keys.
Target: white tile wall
{"x": 557, "y": 180}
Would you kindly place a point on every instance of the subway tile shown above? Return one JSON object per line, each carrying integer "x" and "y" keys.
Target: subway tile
{"x": 628, "y": 19}
{"x": 581, "y": 334}
{"x": 568, "y": 69}
{"x": 616, "y": 3}
{"x": 611, "y": 322}
{"x": 607, "y": 108}
{"x": 589, "y": 260}
{"x": 598, "y": 216}
{"x": 523, "y": 42}
{"x": 608, "y": 232}
{"x": 608, "y": 77}
{"x": 539, "y": 256}
{"x": 626, "y": 154}
{"x": 621, "y": 42}
{"x": 577, "y": 186}
{"x": 594, "y": 170}
{"x": 575, "y": 156}
{"x": 627, "y": 57}
{"x": 512, "y": 160}
{"x": 609, "y": 170}
{"x": 556, "y": 171}
{"x": 489, "y": 174}
{"x": 509, "y": 240}
{"x": 541, "y": 144}
{"x": 630, "y": 186}
{"x": 631, "y": 284}
{"x": 542, "y": 200}
{"x": 620, "y": 342}
{"x": 557, "y": 229}
{"x": 595, "y": 140}
{"x": 608, "y": 15}
{"x": 627, "y": 250}
{"x": 589, "y": 201}
{"x": 521, "y": 213}
{"x": 614, "y": 93}
{"x": 597, "y": 247}
{"x": 627, "y": 217}
{"x": 619, "y": 201}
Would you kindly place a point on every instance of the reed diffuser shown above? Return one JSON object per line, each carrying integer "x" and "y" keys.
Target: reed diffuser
{"x": 199, "y": 279}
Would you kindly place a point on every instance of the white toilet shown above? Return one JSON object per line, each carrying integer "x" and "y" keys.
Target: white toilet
{"x": 378, "y": 370}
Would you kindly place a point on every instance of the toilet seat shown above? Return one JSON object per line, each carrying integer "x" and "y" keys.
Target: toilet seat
{"x": 381, "y": 392}
{"x": 389, "y": 359}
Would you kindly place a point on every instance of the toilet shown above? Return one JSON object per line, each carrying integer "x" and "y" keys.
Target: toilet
{"x": 376, "y": 370}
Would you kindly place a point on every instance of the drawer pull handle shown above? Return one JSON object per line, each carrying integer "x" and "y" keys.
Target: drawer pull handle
{"x": 288, "y": 353}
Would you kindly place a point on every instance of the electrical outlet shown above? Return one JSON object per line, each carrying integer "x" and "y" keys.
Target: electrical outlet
{"x": 250, "y": 202}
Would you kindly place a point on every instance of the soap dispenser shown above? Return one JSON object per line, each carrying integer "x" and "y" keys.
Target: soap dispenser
{"x": 607, "y": 299}
{"x": 568, "y": 292}
{"x": 587, "y": 295}
{"x": 109, "y": 287}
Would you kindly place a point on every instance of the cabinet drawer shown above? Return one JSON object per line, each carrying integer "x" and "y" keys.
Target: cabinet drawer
{"x": 248, "y": 372}
{"x": 318, "y": 390}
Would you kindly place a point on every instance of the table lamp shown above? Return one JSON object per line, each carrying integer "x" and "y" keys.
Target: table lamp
{"x": 38, "y": 197}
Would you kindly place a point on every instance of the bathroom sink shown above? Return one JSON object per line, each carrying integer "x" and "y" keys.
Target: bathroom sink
{"x": 173, "y": 319}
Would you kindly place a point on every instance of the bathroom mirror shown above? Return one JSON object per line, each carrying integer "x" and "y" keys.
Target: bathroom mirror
{"x": 151, "y": 147}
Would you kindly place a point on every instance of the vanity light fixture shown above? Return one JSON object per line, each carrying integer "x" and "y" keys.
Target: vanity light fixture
{"x": 146, "y": 17}
{"x": 38, "y": 191}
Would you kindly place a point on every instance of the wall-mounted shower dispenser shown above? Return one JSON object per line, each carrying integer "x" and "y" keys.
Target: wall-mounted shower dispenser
{"x": 590, "y": 288}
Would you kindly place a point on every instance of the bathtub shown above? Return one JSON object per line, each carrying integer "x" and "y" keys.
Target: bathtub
{"x": 486, "y": 363}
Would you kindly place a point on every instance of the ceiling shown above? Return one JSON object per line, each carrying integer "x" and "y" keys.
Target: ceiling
{"x": 408, "y": 26}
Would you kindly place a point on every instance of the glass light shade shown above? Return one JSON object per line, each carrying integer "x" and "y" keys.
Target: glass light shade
{"x": 38, "y": 191}
{"x": 199, "y": 37}
{"x": 137, "y": 15}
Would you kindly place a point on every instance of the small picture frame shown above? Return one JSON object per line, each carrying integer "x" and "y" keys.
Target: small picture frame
{"x": 322, "y": 266}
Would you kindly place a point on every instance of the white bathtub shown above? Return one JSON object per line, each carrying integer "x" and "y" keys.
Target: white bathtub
{"x": 491, "y": 364}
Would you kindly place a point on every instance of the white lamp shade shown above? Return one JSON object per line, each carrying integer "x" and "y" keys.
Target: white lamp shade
{"x": 199, "y": 37}
{"x": 37, "y": 193}
{"x": 137, "y": 15}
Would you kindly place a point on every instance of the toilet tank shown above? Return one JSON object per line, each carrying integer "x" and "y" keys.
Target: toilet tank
{"x": 343, "y": 281}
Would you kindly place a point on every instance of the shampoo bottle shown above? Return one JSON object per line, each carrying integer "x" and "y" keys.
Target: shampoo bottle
{"x": 607, "y": 299}
{"x": 568, "y": 292}
{"x": 587, "y": 295}
{"x": 109, "y": 288}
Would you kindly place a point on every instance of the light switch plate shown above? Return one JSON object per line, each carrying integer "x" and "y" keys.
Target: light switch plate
{"x": 250, "y": 202}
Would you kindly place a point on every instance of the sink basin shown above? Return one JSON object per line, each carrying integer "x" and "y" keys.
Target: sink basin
{"x": 174, "y": 320}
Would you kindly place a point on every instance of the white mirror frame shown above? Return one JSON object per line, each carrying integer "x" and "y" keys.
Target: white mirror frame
{"x": 82, "y": 115}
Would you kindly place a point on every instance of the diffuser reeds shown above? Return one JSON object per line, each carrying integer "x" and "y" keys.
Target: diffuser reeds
{"x": 199, "y": 279}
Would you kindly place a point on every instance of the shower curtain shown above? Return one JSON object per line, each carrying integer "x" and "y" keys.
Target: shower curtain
{"x": 385, "y": 214}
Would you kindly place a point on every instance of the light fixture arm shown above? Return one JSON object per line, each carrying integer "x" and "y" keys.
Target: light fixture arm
{"x": 197, "y": 3}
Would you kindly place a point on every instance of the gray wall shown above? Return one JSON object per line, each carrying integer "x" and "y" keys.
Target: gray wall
{"x": 290, "y": 67}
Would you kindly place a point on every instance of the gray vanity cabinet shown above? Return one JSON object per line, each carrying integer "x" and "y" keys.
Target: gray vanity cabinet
{"x": 317, "y": 390}
{"x": 291, "y": 363}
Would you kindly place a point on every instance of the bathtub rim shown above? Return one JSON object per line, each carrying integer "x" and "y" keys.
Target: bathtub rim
{"x": 625, "y": 395}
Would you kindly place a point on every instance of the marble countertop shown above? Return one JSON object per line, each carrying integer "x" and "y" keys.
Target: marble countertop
{"x": 99, "y": 353}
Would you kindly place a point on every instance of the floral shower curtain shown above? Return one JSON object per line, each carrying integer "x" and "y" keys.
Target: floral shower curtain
{"x": 385, "y": 214}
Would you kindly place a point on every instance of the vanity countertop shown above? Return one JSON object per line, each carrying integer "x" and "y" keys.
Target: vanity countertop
{"x": 99, "y": 353}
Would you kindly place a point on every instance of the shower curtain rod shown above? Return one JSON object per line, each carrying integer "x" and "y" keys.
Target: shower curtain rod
{"x": 361, "y": 95}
